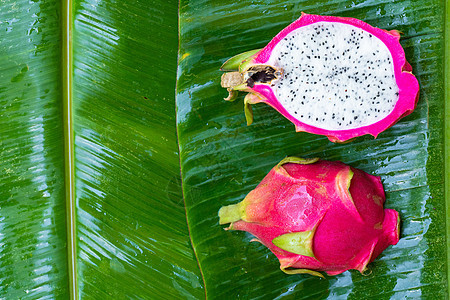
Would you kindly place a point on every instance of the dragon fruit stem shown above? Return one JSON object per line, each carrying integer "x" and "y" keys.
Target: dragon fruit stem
{"x": 231, "y": 213}
{"x": 235, "y": 62}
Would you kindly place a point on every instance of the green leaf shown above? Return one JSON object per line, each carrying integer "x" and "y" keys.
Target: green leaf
{"x": 117, "y": 151}
{"x": 125, "y": 215}
{"x": 33, "y": 261}
{"x": 223, "y": 159}
{"x": 132, "y": 236}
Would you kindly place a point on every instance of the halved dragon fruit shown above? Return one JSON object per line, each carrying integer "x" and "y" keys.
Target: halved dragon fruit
{"x": 333, "y": 76}
{"x": 317, "y": 215}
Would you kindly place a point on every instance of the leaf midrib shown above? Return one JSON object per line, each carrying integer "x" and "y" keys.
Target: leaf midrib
{"x": 67, "y": 58}
{"x": 179, "y": 158}
{"x": 447, "y": 130}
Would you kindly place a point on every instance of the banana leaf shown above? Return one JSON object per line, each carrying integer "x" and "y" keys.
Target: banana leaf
{"x": 117, "y": 150}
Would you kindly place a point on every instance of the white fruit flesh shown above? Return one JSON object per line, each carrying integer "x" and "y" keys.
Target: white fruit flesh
{"x": 335, "y": 76}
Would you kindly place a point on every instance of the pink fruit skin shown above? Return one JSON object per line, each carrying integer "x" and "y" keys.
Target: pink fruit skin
{"x": 407, "y": 83}
{"x": 351, "y": 226}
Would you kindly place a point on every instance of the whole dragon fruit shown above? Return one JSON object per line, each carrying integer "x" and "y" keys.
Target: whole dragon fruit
{"x": 317, "y": 215}
{"x": 333, "y": 76}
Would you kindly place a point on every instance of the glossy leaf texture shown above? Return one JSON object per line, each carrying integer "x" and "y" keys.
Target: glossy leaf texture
{"x": 222, "y": 159}
{"x": 132, "y": 236}
{"x": 131, "y": 231}
{"x": 33, "y": 260}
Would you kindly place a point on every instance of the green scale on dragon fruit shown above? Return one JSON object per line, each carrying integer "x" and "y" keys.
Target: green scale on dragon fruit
{"x": 333, "y": 76}
{"x": 317, "y": 215}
